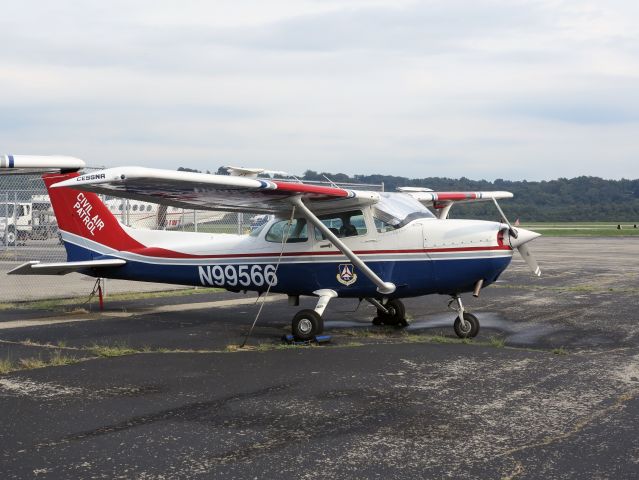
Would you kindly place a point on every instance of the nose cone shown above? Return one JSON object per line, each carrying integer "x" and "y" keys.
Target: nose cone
{"x": 523, "y": 236}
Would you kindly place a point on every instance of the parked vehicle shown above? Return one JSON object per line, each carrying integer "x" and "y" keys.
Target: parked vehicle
{"x": 33, "y": 220}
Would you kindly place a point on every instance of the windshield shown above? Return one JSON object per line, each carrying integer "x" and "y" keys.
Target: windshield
{"x": 394, "y": 210}
{"x": 255, "y": 231}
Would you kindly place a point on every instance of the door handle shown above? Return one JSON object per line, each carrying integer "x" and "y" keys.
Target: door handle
{"x": 326, "y": 245}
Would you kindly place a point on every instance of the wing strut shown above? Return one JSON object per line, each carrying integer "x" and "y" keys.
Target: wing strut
{"x": 383, "y": 287}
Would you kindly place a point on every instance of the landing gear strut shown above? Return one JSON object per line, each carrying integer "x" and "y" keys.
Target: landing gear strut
{"x": 466, "y": 324}
{"x": 307, "y": 324}
{"x": 392, "y": 313}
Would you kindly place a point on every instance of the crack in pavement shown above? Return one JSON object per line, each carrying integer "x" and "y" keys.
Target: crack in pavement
{"x": 186, "y": 412}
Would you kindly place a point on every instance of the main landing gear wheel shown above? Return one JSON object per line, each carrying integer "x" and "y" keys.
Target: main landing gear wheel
{"x": 306, "y": 325}
{"x": 470, "y": 329}
{"x": 395, "y": 316}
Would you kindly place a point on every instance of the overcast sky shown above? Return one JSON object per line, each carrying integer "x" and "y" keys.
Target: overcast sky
{"x": 483, "y": 89}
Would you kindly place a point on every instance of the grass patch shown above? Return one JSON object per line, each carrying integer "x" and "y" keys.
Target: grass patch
{"x": 594, "y": 232}
{"x": 379, "y": 332}
{"x": 6, "y": 366}
{"x": 58, "y": 359}
{"x": 443, "y": 339}
{"x": 218, "y": 228}
{"x": 560, "y": 351}
{"x": 116, "y": 350}
{"x": 267, "y": 347}
{"x": 576, "y": 288}
{"x": 233, "y": 347}
{"x": 583, "y": 229}
{"x": 31, "y": 363}
{"x": 57, "y": 303}
{"x": 403, "y": 336}
{"x": 496, "y": 342}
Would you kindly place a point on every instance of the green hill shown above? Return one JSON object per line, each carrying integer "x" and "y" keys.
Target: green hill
{"x": 563, "y": 200}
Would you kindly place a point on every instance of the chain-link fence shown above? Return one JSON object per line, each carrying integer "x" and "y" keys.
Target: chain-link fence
{"x": 29, "y": 231}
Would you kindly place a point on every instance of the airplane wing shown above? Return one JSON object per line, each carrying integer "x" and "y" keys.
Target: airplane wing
{"x": 62, "y": 268}
{"x": 442, "y": 199}
{"x": 210, "y": 192}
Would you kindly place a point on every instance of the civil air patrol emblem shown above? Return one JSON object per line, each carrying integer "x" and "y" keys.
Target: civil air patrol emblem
{"x": 346, "y": 274}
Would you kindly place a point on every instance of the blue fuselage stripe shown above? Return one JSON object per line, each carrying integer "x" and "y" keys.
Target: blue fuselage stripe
{"x": 412, "y": 277}
{"x": 11, "y": 161}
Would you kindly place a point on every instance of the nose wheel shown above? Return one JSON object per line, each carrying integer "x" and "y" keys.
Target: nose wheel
{"x": 466, "y": 324}
{"x": 469, "y": 328}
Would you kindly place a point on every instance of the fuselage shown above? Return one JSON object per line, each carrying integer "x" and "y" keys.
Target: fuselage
{"x": 422, "y": 256}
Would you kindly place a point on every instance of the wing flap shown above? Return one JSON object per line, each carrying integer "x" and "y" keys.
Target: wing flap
{"x": 35, "y": 267}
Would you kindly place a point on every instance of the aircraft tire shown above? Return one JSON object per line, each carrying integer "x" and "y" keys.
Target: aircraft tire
{"x": 10, "y": 237}
{"x": 471, "y": 331}
{"x": 306, "y": 324}
{"x": 396, "y": 317}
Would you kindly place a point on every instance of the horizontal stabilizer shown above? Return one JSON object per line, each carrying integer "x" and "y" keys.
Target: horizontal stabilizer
{"x": 62, "y": 268}
{"x": 38, "y": 163}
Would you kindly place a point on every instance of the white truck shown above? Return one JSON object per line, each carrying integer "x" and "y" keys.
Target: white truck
{"x": 33, "y": 220}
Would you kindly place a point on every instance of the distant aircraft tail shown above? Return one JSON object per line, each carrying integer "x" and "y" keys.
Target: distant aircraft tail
{"x": 88, "y": 229}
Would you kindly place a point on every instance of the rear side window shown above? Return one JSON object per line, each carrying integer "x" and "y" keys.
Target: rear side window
{"x": 296, "y": 232}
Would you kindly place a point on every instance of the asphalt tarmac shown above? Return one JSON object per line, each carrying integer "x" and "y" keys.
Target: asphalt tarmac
{"x": 549, "y": 388}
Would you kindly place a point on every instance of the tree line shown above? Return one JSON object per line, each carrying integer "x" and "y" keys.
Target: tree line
{"x": 580, "y": 199}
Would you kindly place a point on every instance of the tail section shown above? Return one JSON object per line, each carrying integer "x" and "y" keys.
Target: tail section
{"x": 89, "y": 230}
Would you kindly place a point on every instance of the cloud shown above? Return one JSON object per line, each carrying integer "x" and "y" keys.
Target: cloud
{"x": 476, "y": 88}
{"x": 430, "y": 27}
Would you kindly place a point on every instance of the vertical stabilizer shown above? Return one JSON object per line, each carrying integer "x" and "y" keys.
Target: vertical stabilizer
{"x": 89, "y": 230}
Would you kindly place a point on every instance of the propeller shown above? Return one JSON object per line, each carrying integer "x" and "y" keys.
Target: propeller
{"x": 519, "y": 237}
{"x": 525, "y": 236}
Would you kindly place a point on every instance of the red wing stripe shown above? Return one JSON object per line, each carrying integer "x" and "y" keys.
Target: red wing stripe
{"x": 304, "y": 188}
{"x": 443, "y": 196}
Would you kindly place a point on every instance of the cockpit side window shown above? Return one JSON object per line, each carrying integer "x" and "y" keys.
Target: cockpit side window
{"x": 295, "y": 233}
{"x": 383, "y": 226}
{"x": 343, "y": 224}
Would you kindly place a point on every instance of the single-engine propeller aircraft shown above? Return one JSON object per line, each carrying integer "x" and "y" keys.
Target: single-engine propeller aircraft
{"x": 326, "y": 242}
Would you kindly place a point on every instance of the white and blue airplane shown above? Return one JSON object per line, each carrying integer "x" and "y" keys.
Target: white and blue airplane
{"x": 326, "y": 242}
